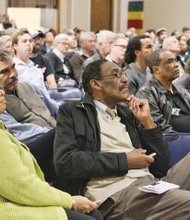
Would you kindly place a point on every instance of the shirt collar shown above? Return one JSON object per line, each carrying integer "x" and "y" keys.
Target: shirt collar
{"x": 102, "y": 108}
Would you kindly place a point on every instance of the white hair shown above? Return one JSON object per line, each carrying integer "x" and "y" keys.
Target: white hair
{"x": 103, "y": 37}
{"x": 168, "y": 41}
{"x": 61, "y": 38}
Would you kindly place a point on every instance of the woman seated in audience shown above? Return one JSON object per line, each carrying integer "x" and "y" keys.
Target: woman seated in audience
{"x": 24, "y": 194}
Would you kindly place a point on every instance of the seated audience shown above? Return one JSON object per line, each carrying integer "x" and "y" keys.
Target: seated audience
{"x": 27, "y": 71}
{"x": 152, "y": 34}
{"x": 186, "y": 32}
{"x": 161, "y": 34}
{"x": 169, "y": 104}
{"x": 41, "y": 61}
{"x": 136, "y": 58}
{"x": 24, "y": 193}
{"x": 184, "y": 80}
{"x": 103, "y": 46}
{"x": 6, "y": 22}
{"x": 183, "y": 48}
{"x": 64, "y": 76}
{"x": 6, "y": 44}
{"x": 106, "y": 155}
{"x": 117, "y": 51}
{"x": 58, "y": 60}
{"x": 87, "y": 43}
{"x": 172, "y": 44}
{"x": 47, "y": 46}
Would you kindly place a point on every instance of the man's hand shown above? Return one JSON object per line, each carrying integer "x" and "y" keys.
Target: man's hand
{"x": 141, "y": 110}
{"x": 83, "y": 204}
{"x": 138, "y": 159}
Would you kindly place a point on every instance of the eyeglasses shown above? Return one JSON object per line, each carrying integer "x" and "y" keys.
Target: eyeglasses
{"x": 122, "y": 46}
{"x": 116, "y": 74}
{"x": 65, "y": 43}
{"x": 8, "y": 70}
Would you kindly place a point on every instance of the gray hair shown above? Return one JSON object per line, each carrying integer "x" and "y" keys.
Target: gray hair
{"x": 61, "y": 38}
{"x": 4, "y": 39}
{"x": 167, "y": 42}
{"x": 119, "y": 36}
{"x": 103, "y": 37}
{"x": 84, "y": 37}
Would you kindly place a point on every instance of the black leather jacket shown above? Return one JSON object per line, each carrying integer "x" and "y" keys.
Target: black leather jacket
{"x": 77, "y": 155}
{"x": 160, "y": 106}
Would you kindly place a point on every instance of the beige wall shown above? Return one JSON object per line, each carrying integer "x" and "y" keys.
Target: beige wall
{"x": 76, "y": 13}
{"x": 19, "y": 15}
{"x": 172, "y": 14}
{"x": 3, "y": 7}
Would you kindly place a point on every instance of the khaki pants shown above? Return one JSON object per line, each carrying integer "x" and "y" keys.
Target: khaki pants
{"x": 132, "y": 204}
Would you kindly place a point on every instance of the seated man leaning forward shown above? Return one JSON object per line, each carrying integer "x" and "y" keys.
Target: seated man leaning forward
{"x": 29, "y": 116}
{"x": 107, "y": 158}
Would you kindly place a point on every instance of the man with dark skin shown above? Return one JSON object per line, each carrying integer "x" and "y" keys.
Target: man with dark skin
{"x": 110, "y": 165}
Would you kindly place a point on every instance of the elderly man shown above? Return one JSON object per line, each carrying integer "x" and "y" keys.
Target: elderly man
{"x": 87, "y": 43}
{"x": 106, "y": 156}
{"x": 169, "y": 104}
{"x": 117, "y": 51}
{"x": 103, "y": 46}
{"x": 172, "y": 44}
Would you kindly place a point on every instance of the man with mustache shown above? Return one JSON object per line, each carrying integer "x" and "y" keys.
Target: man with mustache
{"x": 41, "y": 61}
{"x": 30, "y": 115}
{"x": 107, "y": 156}
{"x": 169, "y": 104}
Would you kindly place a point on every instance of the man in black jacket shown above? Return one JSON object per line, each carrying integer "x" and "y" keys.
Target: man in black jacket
{"x": 169, "y": 104}
{"x": 106, "y": 156}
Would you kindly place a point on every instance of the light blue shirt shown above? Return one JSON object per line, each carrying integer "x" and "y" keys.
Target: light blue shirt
{"x": 28, "y": 72}
{"x": 29, "y": 132}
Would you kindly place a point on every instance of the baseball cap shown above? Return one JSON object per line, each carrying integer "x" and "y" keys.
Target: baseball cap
{"x": 158, "y": 31}
{"x": 36, "y": 33}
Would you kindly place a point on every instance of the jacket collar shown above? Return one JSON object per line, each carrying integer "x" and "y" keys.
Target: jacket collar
{"x": 161, "y": 89}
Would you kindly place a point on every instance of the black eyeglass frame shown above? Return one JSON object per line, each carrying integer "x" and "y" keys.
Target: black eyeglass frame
{"x": 114, "y": 75}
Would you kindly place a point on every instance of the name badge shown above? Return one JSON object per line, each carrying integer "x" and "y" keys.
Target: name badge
{"x": 176, "y": 111}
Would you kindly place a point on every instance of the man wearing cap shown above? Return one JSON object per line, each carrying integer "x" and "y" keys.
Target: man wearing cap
{"x": 41, "y": 61}
{"x": 161, "y": 34}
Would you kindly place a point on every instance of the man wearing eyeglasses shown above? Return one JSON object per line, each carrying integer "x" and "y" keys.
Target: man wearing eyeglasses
{"x": 117, "y": 50}
{"x": 169, "y": 104}
{"x": 106, "y": 157}
{"x": 29, "y": 116}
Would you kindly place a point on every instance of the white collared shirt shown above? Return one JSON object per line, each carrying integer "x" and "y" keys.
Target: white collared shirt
{"x": 102, "y": 108}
